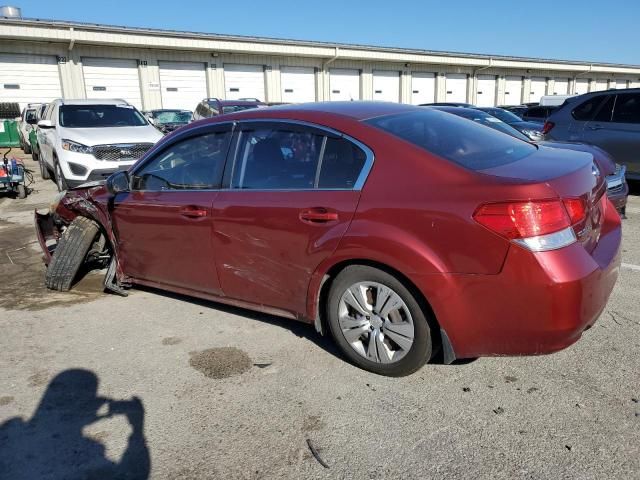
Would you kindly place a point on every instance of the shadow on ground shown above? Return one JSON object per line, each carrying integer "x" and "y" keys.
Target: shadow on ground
{"x": 51, "y": 444}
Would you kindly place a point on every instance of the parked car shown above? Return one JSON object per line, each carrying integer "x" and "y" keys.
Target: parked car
{"x": 554, "y": 100}
{"x": 169, "y": 120}
{"x": 608, "y": 119}
{"x": 538, "y": 113}
{"x": 33, "y": 133}
{"x": 517, "y": 110}
{"x": 533, "y": 130}
{"x": 366, "y": 219}
{"x": 617, "y": 188}
{"x": 210, "y": 107}
{"x": 27, "y": 120}
{"x": 446, "y": 104}
{"x": 86, "y": 140}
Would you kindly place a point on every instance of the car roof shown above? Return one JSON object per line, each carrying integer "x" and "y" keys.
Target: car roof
{"x": 94, "y": 101}
{"x": 357, "y": 110}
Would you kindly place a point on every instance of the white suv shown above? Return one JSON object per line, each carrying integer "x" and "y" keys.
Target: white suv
{"x": 86, "y": 140}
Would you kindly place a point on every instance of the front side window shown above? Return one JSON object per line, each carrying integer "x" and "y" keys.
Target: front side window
{"x": 627, "y": 109}
{"x": 272, "y": 159}
{"x": 195, "y": 163}
{"x": 95, "y": 116}
{"x": 466, "y": 143}
{"x": 585, "y": 111}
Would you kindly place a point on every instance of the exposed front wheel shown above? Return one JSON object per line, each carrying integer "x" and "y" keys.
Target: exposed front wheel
{"x": 61, "y": 182}
{"x": 44, "y": 170}
{"x": 377, "y": 322}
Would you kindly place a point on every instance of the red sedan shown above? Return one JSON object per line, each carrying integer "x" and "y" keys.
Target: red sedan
{"x": 400, "y": 230}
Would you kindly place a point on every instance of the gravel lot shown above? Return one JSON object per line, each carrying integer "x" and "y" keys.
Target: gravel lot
{"x": 227, "y": 393}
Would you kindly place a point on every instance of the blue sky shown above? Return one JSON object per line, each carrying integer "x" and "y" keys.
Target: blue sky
{"x": 571, "y": 30}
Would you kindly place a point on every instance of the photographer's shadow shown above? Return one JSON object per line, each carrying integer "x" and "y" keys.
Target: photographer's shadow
{"x": 51, "y": 445}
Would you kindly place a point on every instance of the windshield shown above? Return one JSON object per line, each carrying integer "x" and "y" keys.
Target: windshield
{"x": 93, "y": 116}
{"x": 168, "y": 116}
{"x": 30, "y": 115}
{"x": 237, "y": 108}
{"x": 504, "y": 115}
{"x": 473, "y": 146}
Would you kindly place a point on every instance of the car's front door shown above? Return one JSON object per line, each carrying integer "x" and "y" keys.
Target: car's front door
{"x": 292, "y": 193}
{"x": 47, "y": 136}
{"x": 616, "y": 129}
{"x": 163, "y": 224}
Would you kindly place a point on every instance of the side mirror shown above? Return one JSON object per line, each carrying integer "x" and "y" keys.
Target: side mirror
{"x": 118, "y": 182}
{"x": 44, "y": 124}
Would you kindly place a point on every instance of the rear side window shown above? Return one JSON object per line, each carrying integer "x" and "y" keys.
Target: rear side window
{"x": 295, "y": 158}
{"x": 606, "y": 110}
{"x": 627, "y": 109}
{"x": 464, "y": 142}
{"x": 586, "y": 110}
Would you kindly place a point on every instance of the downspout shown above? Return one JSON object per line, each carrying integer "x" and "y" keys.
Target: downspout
{"x": 575, "y": 77}
{"x": 475, "y": 80}
{"x": 72, "y": 40}
{"x": 325, "y": 72}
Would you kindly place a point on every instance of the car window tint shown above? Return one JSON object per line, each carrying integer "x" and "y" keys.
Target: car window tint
{"x": 190, "y": 164}
{"x": 627, "y": 109}
{"x": 604, "y": 114}
{"x": 341, "y": 165}
{"x": 586, "y": 110}
{"x": 30, "y": 115}
{"x": 536, "y": 112}
{"x": 268, "y": 159}
{"x": 466, "y": 143}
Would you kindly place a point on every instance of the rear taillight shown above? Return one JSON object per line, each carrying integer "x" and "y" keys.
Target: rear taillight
{"x": 538, "y": 225}
{"x": 548, "y": 126}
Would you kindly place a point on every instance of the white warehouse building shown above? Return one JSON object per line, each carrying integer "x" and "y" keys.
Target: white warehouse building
{"x": 41, "y": 60}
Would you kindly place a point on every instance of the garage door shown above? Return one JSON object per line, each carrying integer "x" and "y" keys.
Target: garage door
{"x": 456, "y": 87}
{"x": 561, "y": 86}
{"x": 423, "y": 88}
{"x": 112, "y": 78}
{"x": 620, "y": 84}
{"x": 582, "y": 86}
{"x": 344, "y": 84}
{"x": 298, "y": 84}
{"x": 28, "y": 78}
{"x": 244, "y": 81}
{"x": 486, "y": 93}
{"x": 513, "y": 90}
{"x": 386, "y": 86}
{"x": 183, "y": 84}
{"x": 601, "y": 85}
{"x": 538, "y": 88}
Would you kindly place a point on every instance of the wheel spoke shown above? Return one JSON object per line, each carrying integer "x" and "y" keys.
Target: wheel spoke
{"x": 355, "y": 298}
{"x": 383, "y": 352}
{"x": 382, "y": 295}
{"x": 354, "y": 334}
{"x": 403, "y": 342}
{"x": 393, "y": 303}
{"x": 372, "y": 348}
{"x": 347, "y": 322}
{"x": 405, "y": 328}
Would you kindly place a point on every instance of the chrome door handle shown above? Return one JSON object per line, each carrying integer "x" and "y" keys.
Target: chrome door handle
{"x": 193, "y": 211}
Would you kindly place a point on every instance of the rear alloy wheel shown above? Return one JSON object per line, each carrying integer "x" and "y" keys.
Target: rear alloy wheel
{"x": 59, "y": 178}
{"x": 377, "y": 322}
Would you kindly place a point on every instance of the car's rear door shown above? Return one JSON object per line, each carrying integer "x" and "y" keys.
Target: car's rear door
{"x": 164, "y": 223}
{"x": 616, "y": 129}
{"x": 293, "y": 190}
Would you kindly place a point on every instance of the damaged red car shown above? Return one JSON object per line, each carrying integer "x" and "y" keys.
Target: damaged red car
{"x": 399, "y": 230}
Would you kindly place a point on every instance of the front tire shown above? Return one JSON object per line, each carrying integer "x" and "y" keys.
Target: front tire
{"x": 44, "y": 170}
{"x": 377, "y": 322}
{"x": 22, "y": 191}
{"x": 26, "y": 147}
{"x": 61, "y": 182}
{"x": 70, "y": 253}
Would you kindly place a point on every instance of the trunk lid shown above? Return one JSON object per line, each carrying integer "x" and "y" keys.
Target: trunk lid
{"x": 570, "y": 174}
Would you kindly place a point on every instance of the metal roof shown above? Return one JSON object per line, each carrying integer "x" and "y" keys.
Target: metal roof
{"x": 251, "y": 39}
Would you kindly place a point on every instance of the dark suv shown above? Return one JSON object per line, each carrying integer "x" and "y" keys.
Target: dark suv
{"x": 210, "y": 107}
{"x": 608, "y": 119}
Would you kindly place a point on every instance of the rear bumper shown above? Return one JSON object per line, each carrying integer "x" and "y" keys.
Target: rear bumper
{"x": 540, "y": 303}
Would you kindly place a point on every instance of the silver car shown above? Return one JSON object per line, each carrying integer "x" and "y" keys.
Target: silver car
{"x": 609, "y": 119}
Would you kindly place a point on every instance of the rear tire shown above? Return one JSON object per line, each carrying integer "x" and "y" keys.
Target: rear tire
{"x": 26, "y": 147}
{"x": 70, "y": 253}
{"x": 392, "y": 316}
{"x": 22, "y": 191}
